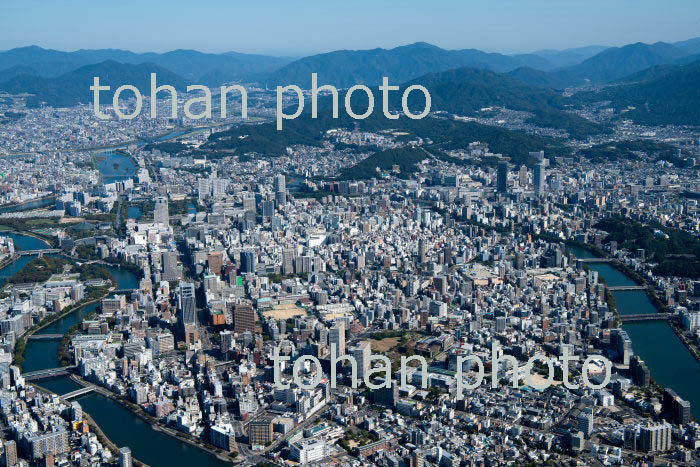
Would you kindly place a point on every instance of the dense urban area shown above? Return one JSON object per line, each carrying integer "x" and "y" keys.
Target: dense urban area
{"x": 153, "y": 269}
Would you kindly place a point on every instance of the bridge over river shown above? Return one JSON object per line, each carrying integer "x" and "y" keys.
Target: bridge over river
{"x": 47, "y": 373}
{"x": 45, "y": 336}
{"x": 45, "y": 251}
{"x": 77, "y": 392}
{"x": 646, "y": 317}
{"x": 622, "y": 288}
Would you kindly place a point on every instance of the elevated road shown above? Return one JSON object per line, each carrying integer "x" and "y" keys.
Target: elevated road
{"x": 622, "y": 288}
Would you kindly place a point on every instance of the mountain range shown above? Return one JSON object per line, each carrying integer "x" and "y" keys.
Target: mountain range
{"x": 649, "y": 83}
{"x": 73, "y": 87}
{"x": 190, "y": 64}
{"x": 669, "y": 95}
{"x": 344, "y": 68}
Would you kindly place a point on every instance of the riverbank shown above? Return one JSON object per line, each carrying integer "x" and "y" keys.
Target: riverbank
{"x": 154, "y": 423}
{"x": 50, "y": 242}
{"x": 680, "y": 332}
{"x": 671, "y": 363}
{"x": 21, "y": 345}
{"x": 13, "y": 207}
{"x": 624, "y": 269}
{"x": 101, "y": 436}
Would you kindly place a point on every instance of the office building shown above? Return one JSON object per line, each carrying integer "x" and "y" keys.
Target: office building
{"x": 539, "y": 178}
{"x": 160, "y": 212}
{"x": 260, "y": 432}
{"x": 336, "y": 337}
{"x": 9, "y": 456}
{"x": 248, "y": 262}
{"x": 362, "y": 354}
{"x": 502, "y": 177}
{"x": 243, "y": 318}
{"x": 585, "y": 422}
{"x": 186, "y": 304}
{"x": 308, "y": 450}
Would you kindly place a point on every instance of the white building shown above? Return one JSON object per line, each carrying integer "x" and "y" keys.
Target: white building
{"x": 308, "y": 450}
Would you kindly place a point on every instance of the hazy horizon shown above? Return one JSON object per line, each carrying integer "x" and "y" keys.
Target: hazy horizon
{"x": 505, "y": 26}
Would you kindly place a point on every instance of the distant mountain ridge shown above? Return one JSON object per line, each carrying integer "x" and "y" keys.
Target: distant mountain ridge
{"x": 344, "y": 68}
{"x": 556, "y": 69}
{"x": 618, "y": 62}
{"x": 569, "y": 57}
{"x": 190, "y": 64}
{"x": 466, "y": 90}
{"x": 73, "y": 88}
{"x": 671, "y": 98}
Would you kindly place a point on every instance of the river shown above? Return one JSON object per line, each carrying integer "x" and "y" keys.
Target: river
{"x": 122, "y": 426}
{"x": 670, "y": 362}
{"x": 28, "y": 206}
{"x": 22, "y": 242}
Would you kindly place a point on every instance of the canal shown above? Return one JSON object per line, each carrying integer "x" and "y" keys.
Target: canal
{"x": 670, "y": 362}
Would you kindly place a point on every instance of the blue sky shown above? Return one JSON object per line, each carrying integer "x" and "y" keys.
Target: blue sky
{"x": 298, "y": 27}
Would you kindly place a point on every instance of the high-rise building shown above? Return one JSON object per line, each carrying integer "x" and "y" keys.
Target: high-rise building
{"x": 522, "y": 176}
{"x": 288, "y": 256}
{"x": 623, "y": 345}
{"x": 640, "y": 372}
{"x": 336, "y": 336}
{"x": 203, "y": 189}
{"x": 280, "y": 183}
{"x": 308, "y": 450}
{"x": 502, "y": 177}
{"x": 260, "y": 432}
{"x": 223, "y": 436}
{"x": 674, "y": 408}
{"x": 124, "y": 457}
{"x": 243, "y": 318}
{"x": 186, "y": 304}
{"x": 362, "y": 354}
{"x": 76, "y": 411}
{"x": 215, "y": 260}
{"x": 585, "y": 422}
{"x": 268, "y": 208}
{"x": 539, "y": 178}
{"x": 655, "y": 437}
{"x": 227, "y": 341}
{"x": 9, "y": 456}
{"x": 171, "y": 269}
{"x": 248, "y": 262}
{"x": 161, "y": 214}
{"x": 218, "y": 187}
{"x": 113, "y": 304}
{"x": 52, "y": 442}
{"x": 417, "y": 458}
{"x": 422, "y": 251}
